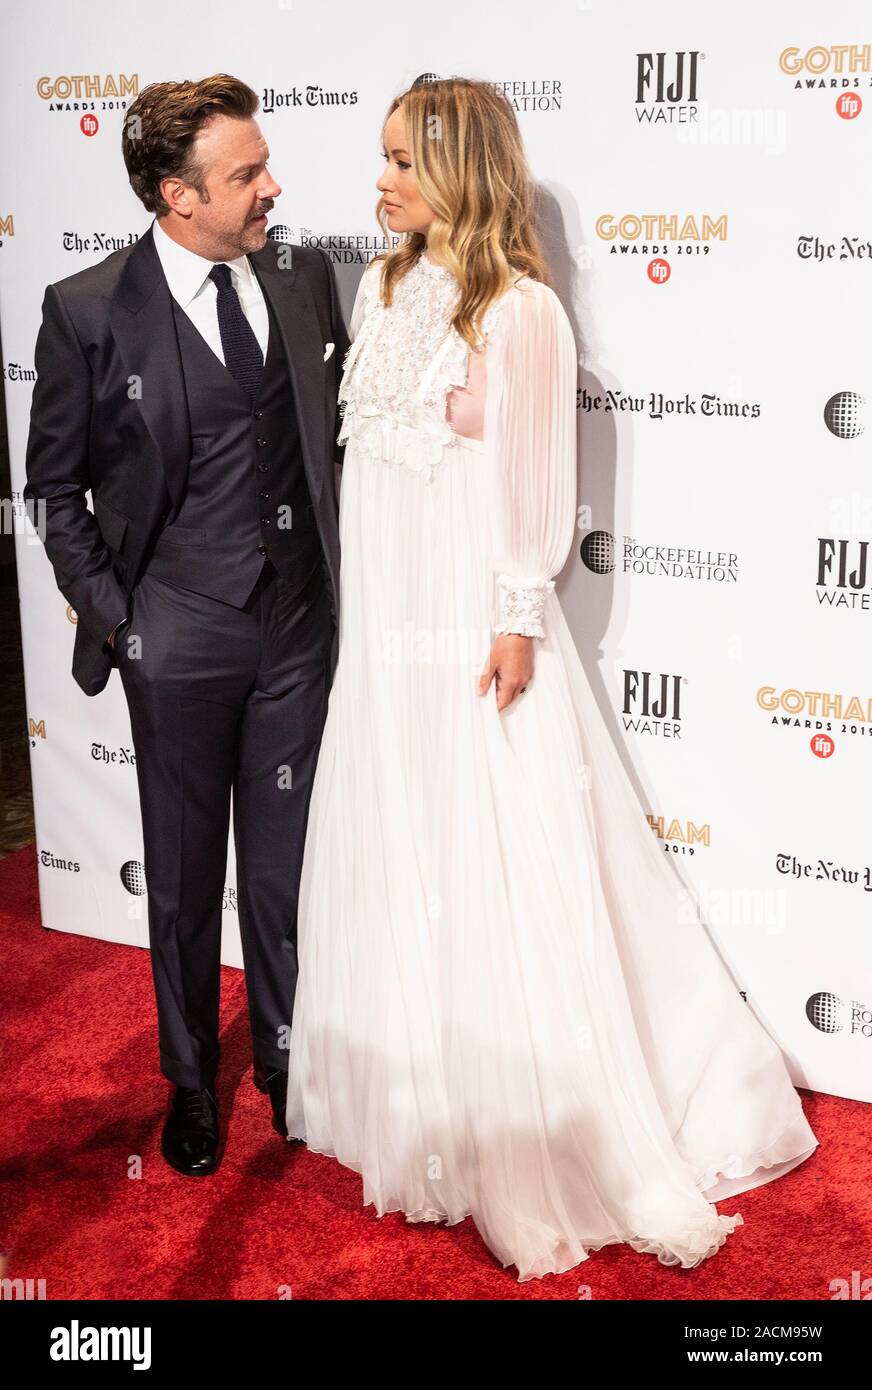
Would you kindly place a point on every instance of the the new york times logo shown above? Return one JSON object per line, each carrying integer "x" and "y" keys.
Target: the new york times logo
{"x": 311, "y": 95}
{"x": 75, "y": 1343}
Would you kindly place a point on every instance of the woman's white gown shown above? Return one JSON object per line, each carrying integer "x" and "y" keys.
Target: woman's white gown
{"x": 506, "y": 1007}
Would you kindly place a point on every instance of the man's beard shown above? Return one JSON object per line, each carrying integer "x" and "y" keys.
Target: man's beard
{"x": 253, "y": 234}
{"x": 255, "y": 230}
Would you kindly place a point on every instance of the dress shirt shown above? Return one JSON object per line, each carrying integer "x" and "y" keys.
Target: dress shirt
{"x": 187, "y": 275}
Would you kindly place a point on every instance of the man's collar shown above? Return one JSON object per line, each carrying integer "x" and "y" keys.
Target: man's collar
{"x": 186, "y": 272}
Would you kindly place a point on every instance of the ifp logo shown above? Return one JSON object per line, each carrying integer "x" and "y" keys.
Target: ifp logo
{"x": 822, "y": 746}
{"x": 89, "y": 125}
{"x": 659, "y": 271}
{"x": 849, "y": 105}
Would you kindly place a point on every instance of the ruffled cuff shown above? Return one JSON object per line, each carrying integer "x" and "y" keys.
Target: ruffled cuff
{"x": 522, "y": 605}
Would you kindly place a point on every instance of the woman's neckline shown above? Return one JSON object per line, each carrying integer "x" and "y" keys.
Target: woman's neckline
{"x": 442, "y": 271}
{"x": 431, "y": 266}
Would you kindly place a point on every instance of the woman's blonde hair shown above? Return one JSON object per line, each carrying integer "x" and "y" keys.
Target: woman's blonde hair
{"x": 469, "y": 161}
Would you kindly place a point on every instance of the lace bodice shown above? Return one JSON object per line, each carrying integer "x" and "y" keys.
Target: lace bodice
{"x": 405, "y": 360}
{"x": 401, "y": 366}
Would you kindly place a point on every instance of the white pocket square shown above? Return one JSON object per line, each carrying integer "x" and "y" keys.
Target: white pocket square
{"x": 328, "y": 350}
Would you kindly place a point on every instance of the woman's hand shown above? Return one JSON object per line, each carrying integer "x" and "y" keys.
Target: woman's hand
{"x": 511, "y": 662}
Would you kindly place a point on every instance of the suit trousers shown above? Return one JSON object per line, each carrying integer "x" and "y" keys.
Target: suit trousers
{"x": 226, "y": 704}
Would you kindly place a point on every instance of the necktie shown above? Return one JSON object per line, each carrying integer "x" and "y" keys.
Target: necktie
{"x": 242, "y": 355}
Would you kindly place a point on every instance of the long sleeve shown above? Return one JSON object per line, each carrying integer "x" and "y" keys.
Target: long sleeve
{"x": 367, "y": 289}
{"x": 530, "y": 430}
{"x": 56, "y": 464}
{"x": 341, "y": 344}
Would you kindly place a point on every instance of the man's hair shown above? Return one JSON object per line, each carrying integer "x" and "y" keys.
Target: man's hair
{"x": 161, "y": 126}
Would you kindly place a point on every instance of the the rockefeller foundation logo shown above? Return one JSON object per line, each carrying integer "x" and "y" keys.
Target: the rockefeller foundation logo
{"x": 343, "y": 248}
{"x": 602, "y": 553}
{"x": 844, "y": 414}
{"x": 830, "y": 1014}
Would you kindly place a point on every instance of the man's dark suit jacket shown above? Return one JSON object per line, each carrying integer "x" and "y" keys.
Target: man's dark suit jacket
{"x": 110, "y": 416}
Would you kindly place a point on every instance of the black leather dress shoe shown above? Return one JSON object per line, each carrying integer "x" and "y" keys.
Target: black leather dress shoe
{"x": 190, "y": 1138}
{"x": 275, "y": 1084}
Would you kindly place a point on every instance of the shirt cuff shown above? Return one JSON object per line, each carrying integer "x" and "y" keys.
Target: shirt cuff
{"x": 522, "y": 605}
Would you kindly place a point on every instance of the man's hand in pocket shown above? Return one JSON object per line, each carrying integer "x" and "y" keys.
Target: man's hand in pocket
{"x": 110, "y": 640}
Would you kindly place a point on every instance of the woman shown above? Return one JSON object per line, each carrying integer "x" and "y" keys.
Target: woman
{"x": 503, "y": 1009}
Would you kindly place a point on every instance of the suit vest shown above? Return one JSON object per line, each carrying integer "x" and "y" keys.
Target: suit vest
{"x": 247, "y": 500}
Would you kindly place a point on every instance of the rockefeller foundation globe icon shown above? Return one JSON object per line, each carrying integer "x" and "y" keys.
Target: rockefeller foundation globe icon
{"x": 844, "y": 414}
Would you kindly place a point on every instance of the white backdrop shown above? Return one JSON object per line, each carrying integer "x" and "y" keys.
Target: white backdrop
{"x": 709, "y": 216}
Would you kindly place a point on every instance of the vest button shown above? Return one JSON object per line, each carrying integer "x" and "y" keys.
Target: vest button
{"x": 261, "y": 550}
{"x": 264, "y": 521}
{"x": 258, "y": 414}
{"x": 261, "y": 441}
{"x": 264, "y": 495}
{"x": 263, "y": 468}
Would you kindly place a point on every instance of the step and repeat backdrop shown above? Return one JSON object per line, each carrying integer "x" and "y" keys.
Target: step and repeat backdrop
{"x": 707, "y": 211}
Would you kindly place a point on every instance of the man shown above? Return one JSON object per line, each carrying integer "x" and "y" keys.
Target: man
{"x": 189, "y": 382}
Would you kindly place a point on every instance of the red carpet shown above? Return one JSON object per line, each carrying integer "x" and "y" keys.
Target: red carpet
{"x": 90, "y": 1206}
